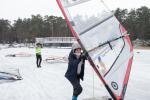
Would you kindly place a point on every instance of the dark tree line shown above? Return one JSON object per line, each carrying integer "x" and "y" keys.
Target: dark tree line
{"x": 25, "y": 30}
{"x": 136, "y": 21}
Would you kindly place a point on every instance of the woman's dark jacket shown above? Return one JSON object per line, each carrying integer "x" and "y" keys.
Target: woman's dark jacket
{"x": 71, "y": 73}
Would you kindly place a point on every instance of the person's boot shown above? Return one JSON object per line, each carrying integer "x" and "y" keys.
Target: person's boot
{"x": 74, "y": 98}
{"x": 38, "y": 66}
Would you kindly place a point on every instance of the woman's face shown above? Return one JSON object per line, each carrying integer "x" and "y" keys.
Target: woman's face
{"x": 78, "y": 50}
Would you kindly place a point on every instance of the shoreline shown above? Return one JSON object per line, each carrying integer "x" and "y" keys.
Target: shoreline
{"x": 141, "y": 48}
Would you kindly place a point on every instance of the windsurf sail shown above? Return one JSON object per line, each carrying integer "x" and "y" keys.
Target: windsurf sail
{"x": 19, "y": 54}
{"x": 104, "y": 39}
{"x": 57, "y": 59}
{"x": 9, "y": 75}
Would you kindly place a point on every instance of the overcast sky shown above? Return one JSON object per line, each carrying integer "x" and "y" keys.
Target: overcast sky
{"x": 12, "y": 9}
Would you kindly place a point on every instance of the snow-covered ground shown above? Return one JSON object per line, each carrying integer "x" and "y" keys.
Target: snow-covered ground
{"x": 49, "y": 83}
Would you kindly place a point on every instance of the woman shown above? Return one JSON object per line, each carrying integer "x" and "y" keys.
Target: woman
{"x": 75, "y": 70}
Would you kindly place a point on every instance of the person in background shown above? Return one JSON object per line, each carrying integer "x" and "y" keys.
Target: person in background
{"x": 75, "y": 70}
{"x": 38, "y": 55}
{"x": 103, "y": 66}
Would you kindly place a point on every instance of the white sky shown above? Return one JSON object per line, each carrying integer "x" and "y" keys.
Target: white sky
{"x": 12, "y": 9}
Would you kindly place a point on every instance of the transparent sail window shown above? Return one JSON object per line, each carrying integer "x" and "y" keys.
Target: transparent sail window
{"x": 86, "y": 14}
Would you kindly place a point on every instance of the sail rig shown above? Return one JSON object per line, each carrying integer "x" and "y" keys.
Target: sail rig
{"x": 104, "y": 40}
{"x": 9, "y": 75}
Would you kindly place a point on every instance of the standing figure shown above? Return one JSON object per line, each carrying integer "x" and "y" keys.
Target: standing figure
{"x": 38, "y": 54}
{"x": 75, "y": 70}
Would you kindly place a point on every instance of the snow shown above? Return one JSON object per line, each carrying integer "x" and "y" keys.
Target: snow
{"x": 49, "y": 83}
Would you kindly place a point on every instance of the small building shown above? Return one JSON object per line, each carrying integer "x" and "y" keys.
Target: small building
{"x": 56, "y": 41}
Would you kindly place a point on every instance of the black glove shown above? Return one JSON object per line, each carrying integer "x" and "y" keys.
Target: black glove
{"x": 84, "y": 56}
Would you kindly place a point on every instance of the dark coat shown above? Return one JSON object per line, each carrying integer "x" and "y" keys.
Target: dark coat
{"x": 71, "y": 73}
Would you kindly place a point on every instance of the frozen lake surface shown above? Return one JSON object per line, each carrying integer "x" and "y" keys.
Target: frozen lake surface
{"x": 49, "y": 83}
